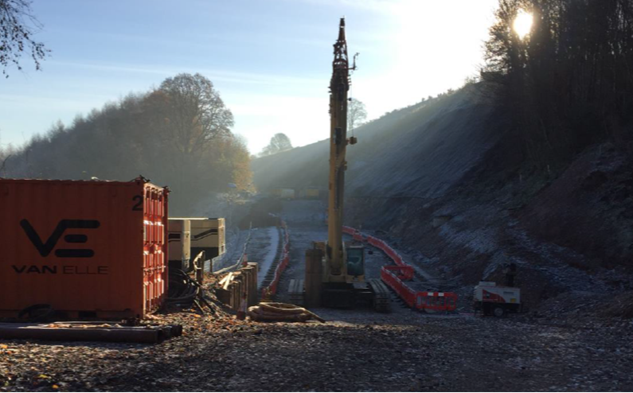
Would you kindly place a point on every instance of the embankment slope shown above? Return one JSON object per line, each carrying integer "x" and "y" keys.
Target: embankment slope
{"x": 446, "y": 182}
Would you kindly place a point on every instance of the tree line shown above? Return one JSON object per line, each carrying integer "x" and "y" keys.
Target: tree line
{"x": 280, "y": 142}
{"x": 569, "y": 82}
{"x": 178, "y": 134}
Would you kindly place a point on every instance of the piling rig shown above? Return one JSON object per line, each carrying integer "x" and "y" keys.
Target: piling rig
{"x": 335, "y": 270}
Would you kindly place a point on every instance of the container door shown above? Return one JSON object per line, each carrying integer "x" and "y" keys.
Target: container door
{"x": 155, "y": 270}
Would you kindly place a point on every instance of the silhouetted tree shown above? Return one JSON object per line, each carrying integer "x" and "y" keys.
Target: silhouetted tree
{"x": 278, "y": 143}
{"x": 356, "y": 114}
{"x": 4, "y": 156}
{"x": 177, "y": 135}
{"x": 195, "y": 113}
{"x": 569, "y": 81}
{"x": 17, "y": 26}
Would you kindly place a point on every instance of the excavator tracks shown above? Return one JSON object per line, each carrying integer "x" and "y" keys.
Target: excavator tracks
{"x": 382, "y": 297}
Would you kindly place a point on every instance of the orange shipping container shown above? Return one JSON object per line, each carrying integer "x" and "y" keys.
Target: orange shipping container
{"x": 86, "y": 248}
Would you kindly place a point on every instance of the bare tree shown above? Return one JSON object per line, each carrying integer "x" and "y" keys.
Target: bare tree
{"x": 17, "y": 26}
{"x": 278, "y": 143}
{"x": 4, "y": 159}
{"x": 195, "y": 113}
{"x": 356, "y": 114}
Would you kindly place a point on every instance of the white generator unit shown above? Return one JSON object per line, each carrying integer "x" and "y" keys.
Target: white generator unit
{"x": 179, "y": 237}
{"x": 492, "y": 299}
{"x": 208, "y": 235}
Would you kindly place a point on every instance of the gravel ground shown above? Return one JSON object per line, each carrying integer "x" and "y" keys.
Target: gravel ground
{"x": 396, "y": 352}
{"x": 355, "y": 350}
{"x": 263, "y": 249}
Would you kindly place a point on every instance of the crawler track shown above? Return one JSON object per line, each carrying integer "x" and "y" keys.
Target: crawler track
{"x": 382, "y": 297}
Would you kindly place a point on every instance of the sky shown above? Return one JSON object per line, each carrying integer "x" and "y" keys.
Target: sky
{"x": 270, "y": 60}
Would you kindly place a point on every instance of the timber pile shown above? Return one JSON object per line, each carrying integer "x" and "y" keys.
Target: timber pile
{"x": 231, "y": 287}
{"x": 281, "y": 312}
{"x": 89, "y": 331}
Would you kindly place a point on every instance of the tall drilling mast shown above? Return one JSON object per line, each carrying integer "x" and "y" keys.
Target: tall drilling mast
{"x": 335, "y": 270}
{"x": 339, "y": 85}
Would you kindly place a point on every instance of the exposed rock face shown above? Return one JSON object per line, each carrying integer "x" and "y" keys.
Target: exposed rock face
{"x": 445, "y": 179}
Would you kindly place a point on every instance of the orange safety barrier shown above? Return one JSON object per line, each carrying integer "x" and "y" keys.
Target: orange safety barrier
{"x": 404, "y": 273}
{"x": 394, "y": 280}
{"x": 437, "y": 301}
{"x": 284, "y": 259}
{"x": 395, "y": 277}
{"x": 356, "y": 234}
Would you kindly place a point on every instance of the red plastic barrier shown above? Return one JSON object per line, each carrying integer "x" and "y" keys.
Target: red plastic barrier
{"x": 404, "y": 273}
{"x": 438, "y": 301}
{"x": 281, "y": 266}
{"x": 395, "y": 277}
{"x": 391, "y": 253}
{"x": 356, "y": 234}
{"x": 407, "y": 294}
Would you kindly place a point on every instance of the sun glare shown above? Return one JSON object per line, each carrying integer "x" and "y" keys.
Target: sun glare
{"x": 523, "y": 23}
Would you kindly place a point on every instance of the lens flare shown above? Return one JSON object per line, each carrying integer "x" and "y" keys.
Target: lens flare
{"x": 523, "y": 23}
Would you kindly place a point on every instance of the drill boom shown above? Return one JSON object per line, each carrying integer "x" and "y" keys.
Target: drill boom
{"x": 339, "y": 85}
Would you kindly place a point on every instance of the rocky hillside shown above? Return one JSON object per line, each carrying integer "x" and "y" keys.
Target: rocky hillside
{"x": 446, "y": 182}
{"x": 404, "y": 153}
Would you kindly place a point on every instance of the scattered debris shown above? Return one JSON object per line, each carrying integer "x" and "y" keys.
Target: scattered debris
{"x": 402, "y": 351}
{"x": 281, "y": 312}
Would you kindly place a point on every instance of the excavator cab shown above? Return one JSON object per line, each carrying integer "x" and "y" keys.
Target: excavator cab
{"x": 355, "y": 260}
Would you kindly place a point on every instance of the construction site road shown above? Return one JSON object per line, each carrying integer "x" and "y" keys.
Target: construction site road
{"x": 263, "y": 249}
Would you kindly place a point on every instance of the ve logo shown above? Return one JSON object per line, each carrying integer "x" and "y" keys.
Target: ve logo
{"x": 46, "y": 248}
